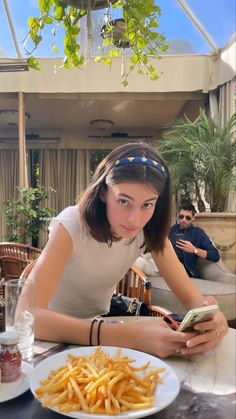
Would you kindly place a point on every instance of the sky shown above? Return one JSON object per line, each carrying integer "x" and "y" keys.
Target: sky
{"x": 217, "y": 16}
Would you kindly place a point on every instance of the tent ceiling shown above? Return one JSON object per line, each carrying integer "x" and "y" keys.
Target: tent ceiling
{"x": 74, "y": 112}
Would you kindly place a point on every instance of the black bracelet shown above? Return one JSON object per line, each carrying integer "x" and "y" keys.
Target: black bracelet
{"x": 98, "y": 331}
{"x": 91, "y": 332}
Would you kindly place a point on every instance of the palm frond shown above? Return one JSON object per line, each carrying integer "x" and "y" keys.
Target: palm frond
{"x": 201, "y": 151}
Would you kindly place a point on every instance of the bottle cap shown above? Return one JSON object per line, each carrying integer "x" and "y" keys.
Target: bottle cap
{"x": 9, "y": 338}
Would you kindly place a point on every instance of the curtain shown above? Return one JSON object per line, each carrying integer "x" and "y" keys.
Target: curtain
{"x": 221, "y": 103}
{"x": 66, "y": 171}
{"x": 9, "y": 180}
{"x": 226, "y": 102}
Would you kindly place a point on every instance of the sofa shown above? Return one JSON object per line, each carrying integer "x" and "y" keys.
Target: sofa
{"x": 216, "y": 280}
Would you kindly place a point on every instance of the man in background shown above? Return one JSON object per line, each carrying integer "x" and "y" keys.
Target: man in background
{"x": 190, "y": 242}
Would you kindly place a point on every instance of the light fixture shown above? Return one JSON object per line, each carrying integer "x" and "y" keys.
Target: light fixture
{"x": 122, "y": 136}
{"x": 101, "y": 123}
{"x": 10, "y": 117}
{"x": 14, "y": 65}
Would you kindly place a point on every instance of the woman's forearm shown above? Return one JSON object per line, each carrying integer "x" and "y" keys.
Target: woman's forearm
{"x": 57, "y": 327}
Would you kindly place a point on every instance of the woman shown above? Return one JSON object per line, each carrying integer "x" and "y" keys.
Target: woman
{"x": 123, "y": 213}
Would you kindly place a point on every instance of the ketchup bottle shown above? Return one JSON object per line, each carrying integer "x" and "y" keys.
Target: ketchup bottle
{"x": 10, "y": 357}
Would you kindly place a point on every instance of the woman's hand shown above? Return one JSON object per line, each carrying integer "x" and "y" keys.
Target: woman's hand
{"x": 155, "y": 337}
{"x": 210, "y": 332}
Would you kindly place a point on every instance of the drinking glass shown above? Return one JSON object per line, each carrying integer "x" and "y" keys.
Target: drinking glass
{"x": 19, "y": 312}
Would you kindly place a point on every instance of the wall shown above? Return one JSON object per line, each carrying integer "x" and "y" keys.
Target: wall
{"x": 221, "y": 228}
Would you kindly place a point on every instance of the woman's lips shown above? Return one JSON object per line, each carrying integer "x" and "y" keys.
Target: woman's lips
{"x": 129, "y": 229}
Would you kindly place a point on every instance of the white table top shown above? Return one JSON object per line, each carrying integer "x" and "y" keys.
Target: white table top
{"x": 213, "y": 372}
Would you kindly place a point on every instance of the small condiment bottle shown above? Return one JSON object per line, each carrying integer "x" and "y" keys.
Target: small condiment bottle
{"x": 10, "y": 357}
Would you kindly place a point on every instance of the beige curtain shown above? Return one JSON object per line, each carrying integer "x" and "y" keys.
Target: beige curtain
{"x": 66, "y": 171}
{"x": 221, "y": 104}
{"x": 9, "y": 180}
{"x": 226, "y": 110}
{"x": 226, "y": 102}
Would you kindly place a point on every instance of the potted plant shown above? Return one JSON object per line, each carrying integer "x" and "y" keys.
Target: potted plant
{"x": 139, "y": 31}
{"x": 25, "y": 217}
{"x": 202, "y": 158}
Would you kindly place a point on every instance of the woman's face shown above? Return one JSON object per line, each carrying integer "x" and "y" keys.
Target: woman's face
{"x": 129, "y": 207}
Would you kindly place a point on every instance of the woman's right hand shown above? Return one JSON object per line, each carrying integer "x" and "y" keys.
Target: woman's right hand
{"x": 153, "y": 337}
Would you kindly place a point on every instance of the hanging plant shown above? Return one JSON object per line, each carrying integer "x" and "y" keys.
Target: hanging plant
{"x": 139, "y": 32}
{"x": 115, "y": 29}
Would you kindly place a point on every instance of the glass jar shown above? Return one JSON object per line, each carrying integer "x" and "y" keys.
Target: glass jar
{"x": 10, "y": 357}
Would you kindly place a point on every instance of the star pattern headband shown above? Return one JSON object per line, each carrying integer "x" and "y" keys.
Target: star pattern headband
{"x": 141, "y": 160}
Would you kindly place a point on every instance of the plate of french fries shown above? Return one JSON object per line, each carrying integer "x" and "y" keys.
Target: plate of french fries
{"x": 100, "y": 382}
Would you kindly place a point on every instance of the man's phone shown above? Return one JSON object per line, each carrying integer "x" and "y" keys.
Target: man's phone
{"x": 197, "y": 315}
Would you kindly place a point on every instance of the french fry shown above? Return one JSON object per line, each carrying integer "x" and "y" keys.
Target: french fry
{"x": 100, "y": 384}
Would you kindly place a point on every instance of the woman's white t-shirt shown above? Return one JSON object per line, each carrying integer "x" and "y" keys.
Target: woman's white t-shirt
{"x": 93, "y": 269}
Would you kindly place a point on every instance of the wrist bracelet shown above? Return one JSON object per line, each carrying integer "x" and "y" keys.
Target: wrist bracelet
{"x": 98, "y": 331}
{"x": 91, "y": 332}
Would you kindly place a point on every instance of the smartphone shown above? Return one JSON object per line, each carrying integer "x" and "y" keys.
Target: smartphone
{"x": 197, "y": 315}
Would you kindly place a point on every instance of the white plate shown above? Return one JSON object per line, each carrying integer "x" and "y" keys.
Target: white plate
{"x": 164, "y": 395}
{"x": 9, "y": 391}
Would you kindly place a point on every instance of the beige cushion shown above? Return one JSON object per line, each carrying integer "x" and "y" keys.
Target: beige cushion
{"x": 146, "y": 264}
{"x": 215, "y": 271}
{"x": 223, "y": 292}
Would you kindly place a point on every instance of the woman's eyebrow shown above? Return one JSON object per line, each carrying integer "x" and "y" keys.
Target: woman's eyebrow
{"x": 123, "y": 195}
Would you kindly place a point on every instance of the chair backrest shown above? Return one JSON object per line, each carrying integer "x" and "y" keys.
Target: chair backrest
{"x": 18, "y": 250}
{"x": 12, "y": 267}
{"x": 135, "y": 284}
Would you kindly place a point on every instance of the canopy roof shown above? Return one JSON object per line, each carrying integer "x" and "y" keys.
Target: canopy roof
{"x": 192, "y": 26}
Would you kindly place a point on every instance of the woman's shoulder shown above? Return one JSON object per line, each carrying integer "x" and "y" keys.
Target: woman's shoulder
{"x": 71, "y": 220}
{"x": 69, "y": 213}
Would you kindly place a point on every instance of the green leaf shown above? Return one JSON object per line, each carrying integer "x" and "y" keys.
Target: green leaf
{"x": 134, "y": 59}
{"x": 114, "y": 53}
{"x": 49, "y": 20}
{"x": 33, "y": 63}
{"x": 107, "y": 61}
{"x": 98, "y": 59}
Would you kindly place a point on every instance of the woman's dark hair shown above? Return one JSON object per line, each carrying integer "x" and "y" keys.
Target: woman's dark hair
{"x": 93, "y": 209}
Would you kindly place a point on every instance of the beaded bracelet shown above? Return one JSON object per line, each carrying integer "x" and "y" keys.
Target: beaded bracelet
{"x": 91, "y": 332}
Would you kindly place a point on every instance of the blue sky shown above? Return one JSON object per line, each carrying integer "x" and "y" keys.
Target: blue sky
{"x": 217, "y": 16}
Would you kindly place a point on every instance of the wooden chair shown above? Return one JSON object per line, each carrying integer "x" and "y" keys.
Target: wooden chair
{"x": 135, "y": 284}
{"x": 11, "y": 268}
{"x": 18, "y": 250}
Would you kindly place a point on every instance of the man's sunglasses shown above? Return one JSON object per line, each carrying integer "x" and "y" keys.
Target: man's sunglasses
{"x": 182, "y": 216}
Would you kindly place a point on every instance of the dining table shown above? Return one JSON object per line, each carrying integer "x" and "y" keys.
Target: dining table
{"x": 207, "y": 385}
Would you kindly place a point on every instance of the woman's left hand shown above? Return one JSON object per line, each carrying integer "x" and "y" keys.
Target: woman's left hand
{"x": 210, "y": 333}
